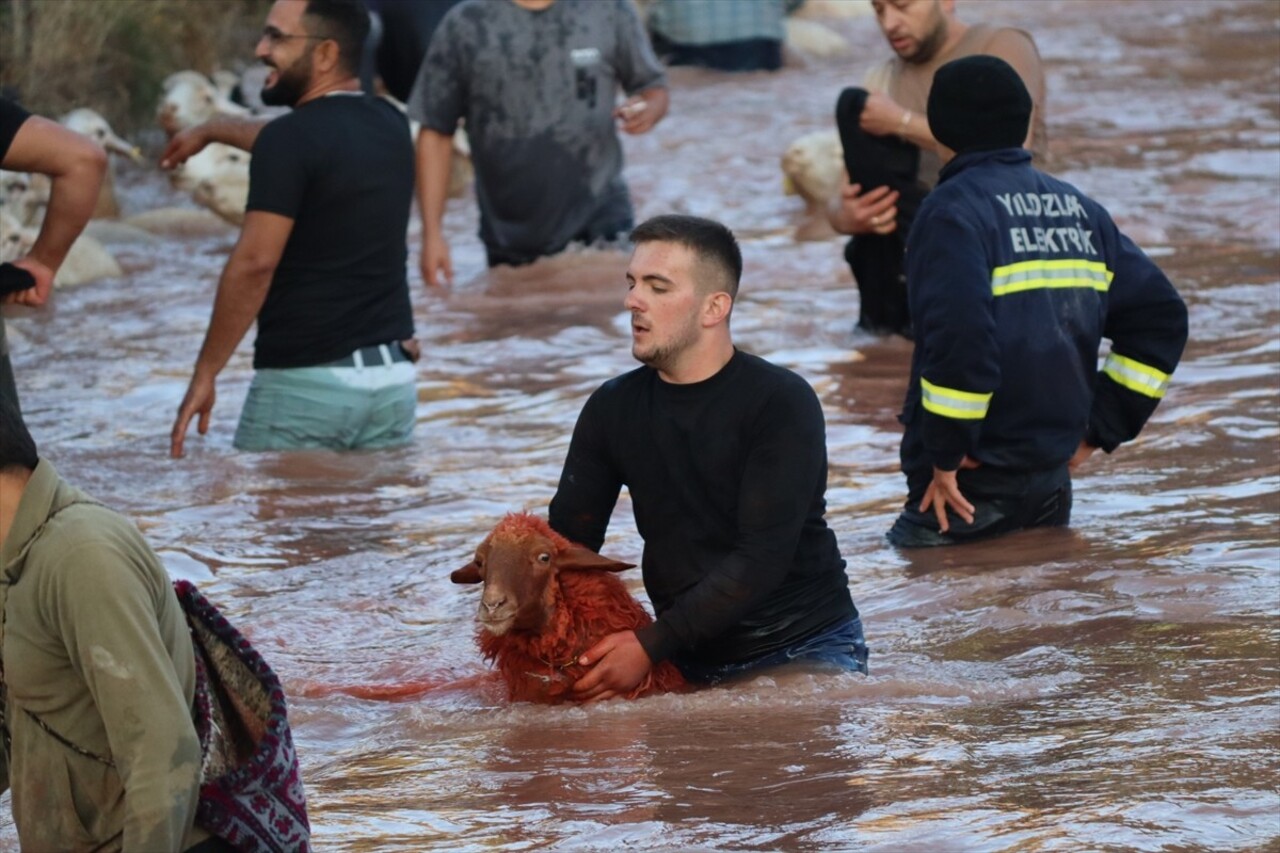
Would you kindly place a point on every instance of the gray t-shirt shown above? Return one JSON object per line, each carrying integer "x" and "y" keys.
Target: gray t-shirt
{"x": 537, "y": 90}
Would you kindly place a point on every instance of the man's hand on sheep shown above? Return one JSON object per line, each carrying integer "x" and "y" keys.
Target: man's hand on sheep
{"x": 618, "y": 664}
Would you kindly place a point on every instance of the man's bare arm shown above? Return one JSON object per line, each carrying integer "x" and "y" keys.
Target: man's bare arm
{"x": 76, "y": 165}
{"x": 237, "y": 132}
{"x": 434, "y": 155}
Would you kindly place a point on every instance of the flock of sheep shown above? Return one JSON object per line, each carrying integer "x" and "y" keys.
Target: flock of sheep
{"x": 217, "y": 178}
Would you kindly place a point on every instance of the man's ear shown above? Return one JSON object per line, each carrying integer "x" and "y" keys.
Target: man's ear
{"x": 326, "y": 55}
{"x": 716, "y": 308}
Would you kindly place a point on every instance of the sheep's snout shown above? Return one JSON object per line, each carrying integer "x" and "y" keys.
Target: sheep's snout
{"x": 496, "y": 614}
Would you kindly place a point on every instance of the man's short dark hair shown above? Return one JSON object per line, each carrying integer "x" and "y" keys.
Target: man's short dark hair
{"x": 344, "y": 21}
{"x": 712, "y": 243}
{"x": 17, "y": 449}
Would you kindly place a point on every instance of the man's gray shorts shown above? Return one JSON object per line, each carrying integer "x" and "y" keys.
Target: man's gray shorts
{"x": 339, "y": 408}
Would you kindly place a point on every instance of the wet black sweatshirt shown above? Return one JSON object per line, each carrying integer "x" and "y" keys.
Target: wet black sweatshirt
{"x": 727, "y": 479}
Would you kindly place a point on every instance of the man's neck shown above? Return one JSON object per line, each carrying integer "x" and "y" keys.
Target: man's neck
{"x": 533, "y": 5}
{"x": 702, "y": 364}
{"x": 955, "y": 32}
{"x": 328, "y": 87}
{"x": 12, "y": 484}
{"x": 952, "y": 32}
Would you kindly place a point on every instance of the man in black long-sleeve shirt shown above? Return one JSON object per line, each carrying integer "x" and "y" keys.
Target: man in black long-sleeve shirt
{"x": 724, "y": 455}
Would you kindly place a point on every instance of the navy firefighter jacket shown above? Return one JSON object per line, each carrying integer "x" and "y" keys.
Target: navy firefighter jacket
{"x": 1014, "y": 278}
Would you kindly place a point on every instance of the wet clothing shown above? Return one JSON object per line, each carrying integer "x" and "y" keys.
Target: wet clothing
{"x": 877, "y": 260}
{"x": 95, "y": 644}
{"x": 341, "y": 167}
{"x": 1015, "y": 278}
{"x": 537, "y": 90}
{"x": 12, "y": 117}
{"x": 1003, "y": 499}
{"x": 745, "y": 35}
{"x": 727, "y": 479}
{"x": 344, "y": 407}
{"x": 842, "y": 646}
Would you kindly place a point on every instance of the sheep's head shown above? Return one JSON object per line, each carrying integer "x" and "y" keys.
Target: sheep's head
{"x": 91, "y": 124}
{"x": 519, "y": 564}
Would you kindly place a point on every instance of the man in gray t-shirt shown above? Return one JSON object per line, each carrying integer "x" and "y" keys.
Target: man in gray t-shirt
{"x": 536, "y": 82}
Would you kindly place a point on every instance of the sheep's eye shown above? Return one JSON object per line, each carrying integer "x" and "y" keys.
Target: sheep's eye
{"x": 544, "y": 558}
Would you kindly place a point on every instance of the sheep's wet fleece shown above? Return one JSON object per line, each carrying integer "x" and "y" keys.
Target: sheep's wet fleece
{"x": 545, "y": 601}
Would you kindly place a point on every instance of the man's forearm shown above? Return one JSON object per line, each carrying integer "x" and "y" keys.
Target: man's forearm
{"x": 73, "y": 196}
{"x": 76, "y": 165}
{"x": 434, "y": 157}
{"x": 237, "y": 132}
{"x": 915, "y": 129}
{"x": 241, "y": 292}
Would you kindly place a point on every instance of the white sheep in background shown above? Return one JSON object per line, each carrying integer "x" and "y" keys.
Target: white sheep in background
{"x": 811, "y": 9}
{"x": 15, "y": 240}
{"x": 812, "y": 40}
{"x": 24, "y": 196}
{"x": 87, "y": 261}
{"x": 91, "y": 124}
{"x": 812, "y": 168}
{"x": 189, "y": 98}
{"x": 227, "y": 196}
{"x": 218, "y": 178}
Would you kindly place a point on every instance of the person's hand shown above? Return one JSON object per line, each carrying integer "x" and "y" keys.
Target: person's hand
{"x": 882, "y": 115}
{"x": 184, "y": 144}
{"x": 199, "y": 400}
{"x": 1082, "y": 454}
{"x": 620, "y": 664}
{"x": 412, "y": 349}
{"x": 32, "y": 297}
{"x": 872, "y": 212}
{"x": 437, "y": 268}
{"x": 944, "y": 492}
{"x": 637, "y": 115}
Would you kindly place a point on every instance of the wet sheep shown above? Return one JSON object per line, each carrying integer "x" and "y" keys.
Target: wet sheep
{"x": 546, "y": 601}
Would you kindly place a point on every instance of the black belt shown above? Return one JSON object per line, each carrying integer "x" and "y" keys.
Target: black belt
{"x": 372, "y": 356}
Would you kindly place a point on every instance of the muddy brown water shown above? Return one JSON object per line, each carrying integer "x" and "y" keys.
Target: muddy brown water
{"x": 1110, "y": 686}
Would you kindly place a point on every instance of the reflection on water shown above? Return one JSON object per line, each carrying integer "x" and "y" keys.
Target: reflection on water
{"x": 1110, "y": 686}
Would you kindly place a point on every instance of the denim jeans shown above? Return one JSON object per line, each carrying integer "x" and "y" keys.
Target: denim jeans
{"x": 841, "y": 645}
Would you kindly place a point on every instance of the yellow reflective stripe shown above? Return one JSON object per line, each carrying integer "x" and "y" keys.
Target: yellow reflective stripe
{"x": 1136, "y": 376}
{"x": 1035, "y": 275}
{"x": 950, "y": 403}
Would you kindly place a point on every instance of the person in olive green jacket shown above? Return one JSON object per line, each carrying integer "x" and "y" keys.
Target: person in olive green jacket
{"x": 95, "y": 650}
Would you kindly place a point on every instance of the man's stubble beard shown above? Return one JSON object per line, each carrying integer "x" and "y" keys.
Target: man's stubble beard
{"x": 290, "y": 85}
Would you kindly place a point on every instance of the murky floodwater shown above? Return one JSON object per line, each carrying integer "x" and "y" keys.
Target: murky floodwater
{"x": 1112, "y": 686}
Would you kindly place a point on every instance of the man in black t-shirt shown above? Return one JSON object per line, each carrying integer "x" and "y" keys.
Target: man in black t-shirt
{"x": 76, "y": 165}
{"x": 724, "y": 456}
{"x": 320, "y": 263}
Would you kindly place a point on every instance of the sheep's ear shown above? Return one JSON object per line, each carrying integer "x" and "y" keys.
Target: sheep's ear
{"x": 470, "y": 573}
{"x": 578, "y": 557}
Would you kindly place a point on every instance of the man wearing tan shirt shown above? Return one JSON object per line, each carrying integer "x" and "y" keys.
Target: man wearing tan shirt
{"x": 890, "y": 123}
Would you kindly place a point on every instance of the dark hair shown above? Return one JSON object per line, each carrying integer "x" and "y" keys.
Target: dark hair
{"x": 344, "y": 21}
{"x": 17, "y": 449}
{"x": 711, "y": 242}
